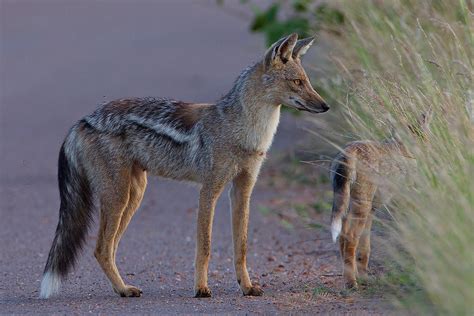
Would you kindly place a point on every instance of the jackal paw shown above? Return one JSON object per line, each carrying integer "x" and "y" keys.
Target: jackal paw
{"x": 352, "y": 285}
{"x": 129, "y": 291}
{"x": 363, "y": 278}
{"x": 253, "y": 291}
{"x": 203, "y": 292}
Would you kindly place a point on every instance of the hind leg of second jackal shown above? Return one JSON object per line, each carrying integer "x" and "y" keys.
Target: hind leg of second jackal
{"x": 363, "y": 250}
{"x": 354, "y": 227}
{"x": 240, "y": 192}
{"x": 114, "y": 198}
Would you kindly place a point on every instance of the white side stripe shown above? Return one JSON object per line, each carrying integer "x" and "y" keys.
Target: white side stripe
{"x": 160, "y": 128}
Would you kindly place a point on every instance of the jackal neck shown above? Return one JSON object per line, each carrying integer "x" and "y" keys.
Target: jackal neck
{"x": 249, "y": 109}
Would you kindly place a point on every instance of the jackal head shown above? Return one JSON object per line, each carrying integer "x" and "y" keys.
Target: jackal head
{"x": 422, "y": 126}
{"x": 420, "y": 129}
{"x": 284, "y": 78}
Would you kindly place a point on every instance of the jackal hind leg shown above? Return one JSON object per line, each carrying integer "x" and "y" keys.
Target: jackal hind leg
{"x": 356, "y": 219}
{"x": 114, "y": 198}
{"x": 240, "y": 192}
{"x": 138, "y": 184}
{"x": 363, "y": 250}
{"x": 342, "y": 239}
{"x": 208, "y": 196}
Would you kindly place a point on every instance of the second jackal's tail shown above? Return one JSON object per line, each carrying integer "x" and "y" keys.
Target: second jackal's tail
{"x": 341, "y": 181}
{"x": 74, "y": 218}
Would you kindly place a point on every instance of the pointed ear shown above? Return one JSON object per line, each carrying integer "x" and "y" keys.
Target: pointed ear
{"x": 422, "y": 126}
{"x": 285, "y": 51}
{"x": 281, "y": 50}
{"x": 302, "y": 46}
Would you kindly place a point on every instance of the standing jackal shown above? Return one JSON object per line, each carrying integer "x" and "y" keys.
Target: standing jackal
{"x": 106, "y": 157}
{"x": 359, "y": 178}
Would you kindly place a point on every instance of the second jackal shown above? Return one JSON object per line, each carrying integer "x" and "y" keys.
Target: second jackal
{"x": 360, "y": 176}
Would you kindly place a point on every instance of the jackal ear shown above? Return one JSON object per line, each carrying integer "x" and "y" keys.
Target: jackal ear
{"x": 302, "y": 46}
{"x": 281, "y": 50}
{"x": 422, "y": 126}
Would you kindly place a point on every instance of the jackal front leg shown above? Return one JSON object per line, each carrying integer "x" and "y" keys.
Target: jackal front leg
{"x": 207, "y": 202}
{"x": 240, "y": 193}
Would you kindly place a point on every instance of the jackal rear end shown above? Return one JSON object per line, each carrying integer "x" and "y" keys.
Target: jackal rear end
{"x": 360, "y": 175}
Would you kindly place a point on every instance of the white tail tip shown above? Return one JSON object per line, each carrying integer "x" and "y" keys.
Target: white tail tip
{"x": 50, "y": 284}
{"x": 336, "y": 227}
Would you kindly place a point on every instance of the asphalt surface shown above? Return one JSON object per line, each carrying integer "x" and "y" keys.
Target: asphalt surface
{"x": 58, "y": 61}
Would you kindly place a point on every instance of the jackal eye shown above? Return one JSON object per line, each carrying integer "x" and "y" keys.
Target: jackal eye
{"x": 297, "y": 82}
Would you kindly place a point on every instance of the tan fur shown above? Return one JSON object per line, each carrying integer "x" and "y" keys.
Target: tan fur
{"x": 357, "y": 222}
{"x": 190, "y": 113}
{"x": 360, "y": 175}
{"x": 113, "y": 150}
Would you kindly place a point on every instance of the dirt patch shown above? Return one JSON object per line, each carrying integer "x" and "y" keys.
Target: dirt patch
{"x": 300, "y": 203}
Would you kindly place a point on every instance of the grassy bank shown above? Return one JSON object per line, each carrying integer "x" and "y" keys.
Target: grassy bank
{"x": 401, "y": 58}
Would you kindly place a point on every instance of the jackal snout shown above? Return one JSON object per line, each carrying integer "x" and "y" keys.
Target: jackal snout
{"x": 312, "y": 103}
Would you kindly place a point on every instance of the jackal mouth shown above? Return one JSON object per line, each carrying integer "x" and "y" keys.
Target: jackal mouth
{"x": 303, "y": 107}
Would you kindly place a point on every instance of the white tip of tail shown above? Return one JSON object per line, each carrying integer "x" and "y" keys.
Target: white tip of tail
{"x": 336, "y": 227}
{"x": 50, "y": 284}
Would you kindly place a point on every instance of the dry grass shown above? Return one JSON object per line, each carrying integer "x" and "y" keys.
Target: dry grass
{"x": 397, "y": 59}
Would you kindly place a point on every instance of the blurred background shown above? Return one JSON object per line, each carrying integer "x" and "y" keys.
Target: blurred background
{"x": 379, "y": 64}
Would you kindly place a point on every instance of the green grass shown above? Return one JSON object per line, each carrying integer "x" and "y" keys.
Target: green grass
{"x": 302, "y": 210}
{"x": 395, "y": 60}
{"x": 315, "y": 225}
{"x": 286, "y": 224}
{"x": 322, "y": 290}
{"x": 322, "y": 207}
{"x": 264, "y": 210}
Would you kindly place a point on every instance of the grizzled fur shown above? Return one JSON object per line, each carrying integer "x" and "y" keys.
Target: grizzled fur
{"x": 107, "y": 155}
{"x": 359, "y": 177}
{"x": 157, "y": 134}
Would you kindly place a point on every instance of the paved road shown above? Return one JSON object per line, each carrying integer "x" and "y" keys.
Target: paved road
{"x": 58, "y": 60}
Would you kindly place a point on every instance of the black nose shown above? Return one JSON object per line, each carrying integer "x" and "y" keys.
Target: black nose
{"x": 324, "y": 106}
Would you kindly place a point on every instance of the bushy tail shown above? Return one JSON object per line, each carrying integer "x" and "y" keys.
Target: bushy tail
{"x": 74, "y": 218}
{"x": 341, "y": 182}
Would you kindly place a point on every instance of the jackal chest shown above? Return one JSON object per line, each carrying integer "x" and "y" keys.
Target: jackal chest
{"x": 258, "y": 131}
{"x": 245, "y": 155}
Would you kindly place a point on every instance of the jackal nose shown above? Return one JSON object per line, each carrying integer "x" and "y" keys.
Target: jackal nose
{"x": 324, "y": 106}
